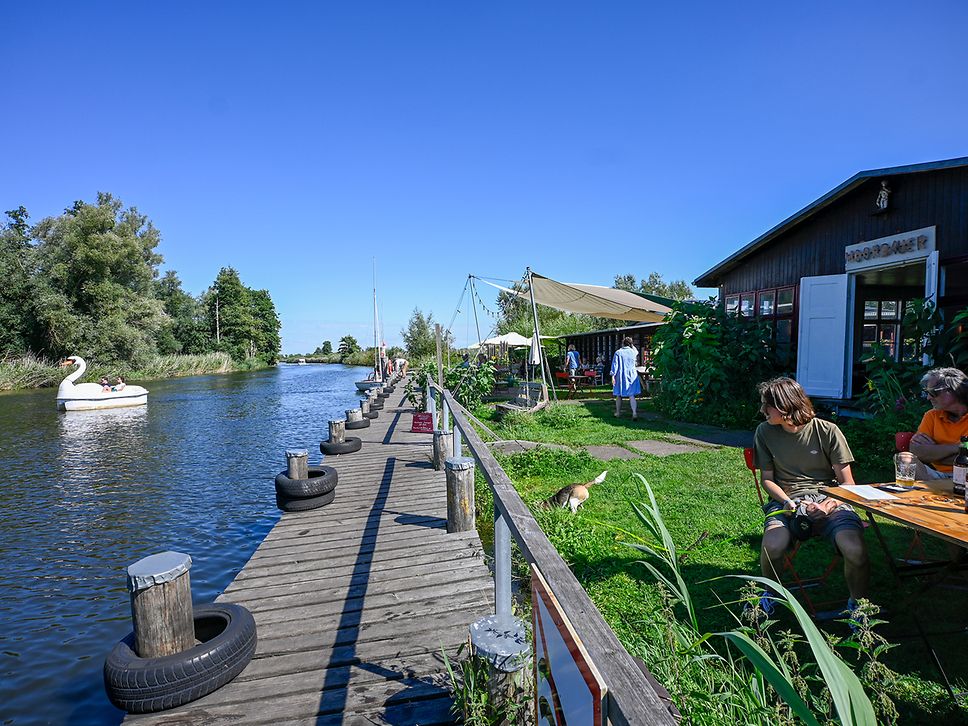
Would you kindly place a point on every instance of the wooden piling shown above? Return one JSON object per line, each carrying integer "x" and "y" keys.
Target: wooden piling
{"x": 460, "y": 494}
{"x": 443, "y": 445}
{"x": 337, "y": 431}
{"x": 297, "y": 463}
{"x": 354, "y": 414}
{"x": 161, "y": 604}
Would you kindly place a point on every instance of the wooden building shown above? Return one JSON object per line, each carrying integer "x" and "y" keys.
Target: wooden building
{"x": 834, "y": 278}
{"x": 602, "y": 344}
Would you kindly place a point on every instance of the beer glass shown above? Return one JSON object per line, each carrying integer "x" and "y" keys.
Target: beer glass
{"x": 905, "y": 465}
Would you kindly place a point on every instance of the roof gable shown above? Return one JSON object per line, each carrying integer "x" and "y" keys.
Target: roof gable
{"x": 710, "y": 278}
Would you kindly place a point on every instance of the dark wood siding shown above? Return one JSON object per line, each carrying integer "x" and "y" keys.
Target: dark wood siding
{"x": 816, "y": 246}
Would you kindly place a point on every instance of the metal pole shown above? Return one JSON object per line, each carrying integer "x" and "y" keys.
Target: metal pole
{"x": 458, "y": 443}
{"x": 537, "y": 331}
{"x": 502, "y": 567}
{"x": 474, "y": 305}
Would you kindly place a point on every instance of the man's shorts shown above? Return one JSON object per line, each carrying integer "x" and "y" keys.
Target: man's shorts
{"x": 841, "y": 519}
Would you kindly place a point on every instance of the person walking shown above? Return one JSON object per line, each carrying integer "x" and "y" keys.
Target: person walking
{"x": 574, "y": 361}
{"x": 625, "y": 379}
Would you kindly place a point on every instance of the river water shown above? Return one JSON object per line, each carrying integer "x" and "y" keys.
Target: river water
{"x": 86, "y": 493}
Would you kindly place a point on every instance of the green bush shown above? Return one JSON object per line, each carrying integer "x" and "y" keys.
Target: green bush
{"x": 709, "y": 364}
{"x": 872, "y": 439}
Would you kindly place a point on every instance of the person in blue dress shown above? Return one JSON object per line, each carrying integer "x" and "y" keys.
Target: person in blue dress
{"x": 574, "y": 361}
{"x": 625, "y": 379}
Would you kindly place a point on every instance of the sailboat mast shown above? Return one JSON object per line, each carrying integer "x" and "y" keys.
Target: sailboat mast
{"x": 376, "y": 347}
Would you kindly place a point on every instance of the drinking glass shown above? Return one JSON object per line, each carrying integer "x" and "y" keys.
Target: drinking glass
{"x": 905, "y": 465}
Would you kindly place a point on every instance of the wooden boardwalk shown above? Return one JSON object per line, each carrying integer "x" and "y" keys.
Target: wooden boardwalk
{"x": 355, "y": 601}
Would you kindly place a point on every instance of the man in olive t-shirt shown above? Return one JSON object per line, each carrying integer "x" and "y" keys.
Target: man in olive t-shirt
{"x": 801, "y": 462}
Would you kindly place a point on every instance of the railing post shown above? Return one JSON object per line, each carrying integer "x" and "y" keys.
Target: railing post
{"x": 446, "y": 424}
{"x": 458, "y": 444}
{"x": 432, "y": 403}
{"x": 501, "y": 639}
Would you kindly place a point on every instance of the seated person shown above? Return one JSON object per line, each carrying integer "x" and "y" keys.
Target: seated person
{"x": 936, "y": 442}
{"x": 105, "y": 384}
{"x": 797, "y": 454}
{"x": 119, "y": 386}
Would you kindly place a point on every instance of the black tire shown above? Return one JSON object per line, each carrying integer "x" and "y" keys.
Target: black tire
{"x": 376, "y": 406}
{"x": 383, "y": 396}
{"x": 351, "y": 444}
{"x": 291, "y": 504}
{"x": 322, "y": 480}
{"x": 146, "y": 685}
{"x": 354, "y": 425}
{"x": 372, "y": 415}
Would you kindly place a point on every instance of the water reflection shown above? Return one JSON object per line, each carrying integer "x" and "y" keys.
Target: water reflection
{"x": 85, "y": 493}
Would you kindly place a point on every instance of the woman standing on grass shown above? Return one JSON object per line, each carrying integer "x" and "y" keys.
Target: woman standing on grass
{"x": 625, "y": 379}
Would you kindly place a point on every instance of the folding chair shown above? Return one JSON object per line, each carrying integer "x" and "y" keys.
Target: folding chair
{"x": 799, "y": 584}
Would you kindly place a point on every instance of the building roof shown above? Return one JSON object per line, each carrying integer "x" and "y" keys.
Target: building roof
{"x": 624, "y": 328}
{"x": 710, "y": 278}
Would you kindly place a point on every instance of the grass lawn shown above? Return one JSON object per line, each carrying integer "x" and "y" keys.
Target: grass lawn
{"x": 709, "y": 504}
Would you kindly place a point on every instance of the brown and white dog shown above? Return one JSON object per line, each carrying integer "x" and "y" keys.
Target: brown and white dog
{"x": 573, "y": 495}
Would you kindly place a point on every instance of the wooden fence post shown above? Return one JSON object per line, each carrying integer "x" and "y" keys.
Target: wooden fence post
{"x": 161, "y": 604}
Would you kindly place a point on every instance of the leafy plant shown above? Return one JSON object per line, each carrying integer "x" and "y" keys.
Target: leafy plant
{"x": 470, "y": 384}
{"x": 766, "y": 673}
{"x": 709, "y": 363}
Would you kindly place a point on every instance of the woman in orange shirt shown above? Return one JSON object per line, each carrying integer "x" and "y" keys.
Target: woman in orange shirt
{"x": 941, "y": 429}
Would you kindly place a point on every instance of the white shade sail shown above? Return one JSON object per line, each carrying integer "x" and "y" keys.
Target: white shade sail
{"x": 604, "y": 302}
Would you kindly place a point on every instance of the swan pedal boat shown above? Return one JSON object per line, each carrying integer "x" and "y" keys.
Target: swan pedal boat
{"x": 89, "y": 396}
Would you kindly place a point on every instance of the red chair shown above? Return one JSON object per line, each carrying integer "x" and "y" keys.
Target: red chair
{"x": 789, "y": 571}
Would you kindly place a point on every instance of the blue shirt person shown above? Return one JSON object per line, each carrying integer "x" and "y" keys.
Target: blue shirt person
{"x": 625, "y": 379}
{"x": 574, "y": 360}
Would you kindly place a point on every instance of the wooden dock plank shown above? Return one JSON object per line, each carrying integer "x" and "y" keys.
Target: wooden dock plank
{"x": 356, "y": 602}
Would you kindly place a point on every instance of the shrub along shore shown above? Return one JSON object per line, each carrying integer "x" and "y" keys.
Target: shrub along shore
{"x": 30, "y": 371}
{"x": 709, "y": 505}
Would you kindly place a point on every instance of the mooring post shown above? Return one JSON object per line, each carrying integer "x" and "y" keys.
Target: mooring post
{"x": 161, "y": 604}
{"x": 500, "y": 639}
{"x": 365, "y": 407}
{"x": 442, "y": 452}
{"x": 460, "y": 493}
{"x": 354, "y": 414}
{"x": 297, "y": 463}
{"x": 337, "y": 431}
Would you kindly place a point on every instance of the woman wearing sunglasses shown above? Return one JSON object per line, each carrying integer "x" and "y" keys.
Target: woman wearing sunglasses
{"x": 941, "y": 429}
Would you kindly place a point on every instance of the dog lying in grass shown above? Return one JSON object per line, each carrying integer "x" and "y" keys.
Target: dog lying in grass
{"x": 573, "y": 495}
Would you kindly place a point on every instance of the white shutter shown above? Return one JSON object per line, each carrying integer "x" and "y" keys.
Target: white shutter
{"x": 931, "y": 277}
{"x": 822, "y": 340}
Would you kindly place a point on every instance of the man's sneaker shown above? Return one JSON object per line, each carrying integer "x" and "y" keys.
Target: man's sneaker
{"x": 762, "y": 610}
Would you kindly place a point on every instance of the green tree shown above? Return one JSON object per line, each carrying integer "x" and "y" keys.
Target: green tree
{"x": 186, "y": 332}
{"x": 348, "y": 345}
{"x": 93, "y": 291}
{"x": 654, "y": 284}
{"x": 327, "y": 348}
{"x": 230, "y": 318}
{"x": 418, "y": 337}
{"x": 265, "y": 340}
{"x": 18, "y": 326}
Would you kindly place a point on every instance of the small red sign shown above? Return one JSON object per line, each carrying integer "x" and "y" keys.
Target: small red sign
{"x": 423, "y": 423}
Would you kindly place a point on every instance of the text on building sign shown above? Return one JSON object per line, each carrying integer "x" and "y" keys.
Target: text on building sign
{"x": 897, "y": 247}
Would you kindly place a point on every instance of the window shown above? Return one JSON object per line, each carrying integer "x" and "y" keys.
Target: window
{"x": 881, "y": 325}
{"x": 732, "y": 304}
{"x": 767, "y": 304}
{"x": 746, "y": 304}
{"x": 784, "y": 301}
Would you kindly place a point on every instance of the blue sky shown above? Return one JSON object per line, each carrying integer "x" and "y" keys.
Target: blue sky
{"x": 295, "y": 141}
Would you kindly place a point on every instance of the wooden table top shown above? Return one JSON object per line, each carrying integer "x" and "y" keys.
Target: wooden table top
{"x": 929, "y": 508}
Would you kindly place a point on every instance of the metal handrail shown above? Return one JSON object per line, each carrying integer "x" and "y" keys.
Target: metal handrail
{"x": 631, "y": 697}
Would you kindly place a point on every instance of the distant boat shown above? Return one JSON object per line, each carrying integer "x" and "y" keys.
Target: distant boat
{"x": 375, "y": 379}
{"x": 88, "y": 396}
{"x": 301, "y": 362}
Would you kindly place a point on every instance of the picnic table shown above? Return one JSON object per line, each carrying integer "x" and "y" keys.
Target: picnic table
{"x": 930, "y": 508}
{"x": 575, "y": 384}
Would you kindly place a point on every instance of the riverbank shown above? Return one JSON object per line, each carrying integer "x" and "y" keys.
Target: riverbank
{"x": 359, "y": 358}
{"x": 709, "y": 503}
{"x": 31, "y": 371}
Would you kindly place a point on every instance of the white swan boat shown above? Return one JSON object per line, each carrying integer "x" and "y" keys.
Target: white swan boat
{"x": 87, "y": 396}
